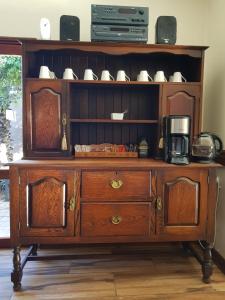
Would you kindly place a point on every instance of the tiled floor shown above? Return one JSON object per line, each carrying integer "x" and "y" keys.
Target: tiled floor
{"x": 4, "y": 213}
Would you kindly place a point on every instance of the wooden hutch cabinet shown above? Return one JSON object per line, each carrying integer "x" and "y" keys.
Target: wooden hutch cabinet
{"x": 57, "y": 197}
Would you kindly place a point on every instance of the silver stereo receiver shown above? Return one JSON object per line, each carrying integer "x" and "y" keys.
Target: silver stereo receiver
{"x": 119, "y": 33}
{"x": 112, "y": 14}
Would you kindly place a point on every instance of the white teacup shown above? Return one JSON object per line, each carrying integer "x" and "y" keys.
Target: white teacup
{"x": 89, "y": 75}
{"x": 46, "y": 73}
{"x": 106, "y": 75}
{"x": 160, "y": 76}
{"x": 178, "y": 77}
{"x": 69, "y": 74}
{"x": 171, "y": 78}
{"x": 121, "y": 76}
{"x": 144, "y": 76}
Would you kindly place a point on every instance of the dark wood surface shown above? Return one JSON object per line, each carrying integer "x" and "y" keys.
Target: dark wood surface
{"x": 43, "y": 113}
{"x": 186, "y": 101}
{"x": 35, "y": 45}
{"x": 46, "y": 211}
{"x": 99, "y": 185}
{"x": 4, "y": 172}
{"x": 101, "y": 163}
{"x": 111, "y": 200}
{"x": 89, "y": 104}
{"x": 45, "y": 202}
{"x": 115, "y": 219}
{"x": 184, "y": 195}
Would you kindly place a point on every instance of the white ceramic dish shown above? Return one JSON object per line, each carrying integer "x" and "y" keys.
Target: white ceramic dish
{"x": 117, "y": 116}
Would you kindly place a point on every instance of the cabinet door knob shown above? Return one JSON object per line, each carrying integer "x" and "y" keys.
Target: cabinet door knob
{"x": 116, "y": 183}
{"x": 72, "y": 204}
{"x": 116, "y": 220}
{"x": 159, "y": 203}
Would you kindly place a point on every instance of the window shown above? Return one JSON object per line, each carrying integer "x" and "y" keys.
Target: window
{"x": 10, "y": 123}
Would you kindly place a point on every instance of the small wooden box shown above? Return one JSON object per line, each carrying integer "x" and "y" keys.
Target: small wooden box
{"x": 107, "y": 154}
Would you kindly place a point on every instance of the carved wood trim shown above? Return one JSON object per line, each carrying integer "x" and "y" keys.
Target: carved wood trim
{"x": 76, "y": 187}
{"x": 190, "y": 96}
{"x": 188, "y": 180}
{"x": 112, "y": 48}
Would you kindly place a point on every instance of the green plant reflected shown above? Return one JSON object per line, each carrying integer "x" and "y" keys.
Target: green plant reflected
{"x": 10, "y": 102}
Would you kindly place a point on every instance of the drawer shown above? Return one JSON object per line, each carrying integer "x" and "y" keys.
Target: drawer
{"x": 115, "y": 185}
{"x": 115, "y": 219}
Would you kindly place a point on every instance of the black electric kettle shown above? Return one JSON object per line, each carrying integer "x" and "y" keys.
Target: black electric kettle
{"x": 206, "y": 147}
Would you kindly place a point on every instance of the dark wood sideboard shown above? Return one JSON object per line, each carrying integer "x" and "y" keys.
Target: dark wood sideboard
{"x": 57, "y": 198}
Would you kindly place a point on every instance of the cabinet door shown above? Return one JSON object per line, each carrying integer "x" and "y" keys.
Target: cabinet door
{"x": 45, "y": 110}
{"x": 183, "y": 99}
{"x": 181, "y": 203}
{"x": 49, "y": 202}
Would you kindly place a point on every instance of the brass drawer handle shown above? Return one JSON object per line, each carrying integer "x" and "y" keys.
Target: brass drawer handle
{"x": 72, "y": 204}
{"x": 116, "y": 220}
{"x": 159, "y": 203}
{"x": 116, "y": 183}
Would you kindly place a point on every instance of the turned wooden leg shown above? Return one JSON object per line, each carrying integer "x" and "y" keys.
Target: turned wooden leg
{"x": 207, "y": 265}
{"x": 17, "y": 272}
{"x": 34, "y": 250}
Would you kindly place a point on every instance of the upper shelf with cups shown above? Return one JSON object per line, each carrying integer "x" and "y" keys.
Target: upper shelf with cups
{"x": 135, "y": 63}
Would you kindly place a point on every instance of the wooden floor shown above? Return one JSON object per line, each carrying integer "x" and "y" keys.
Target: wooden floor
{"x": 156, "y": 272}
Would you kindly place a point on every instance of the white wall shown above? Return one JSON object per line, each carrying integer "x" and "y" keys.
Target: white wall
{"x": 21, "y": 18}
{"x": 214, "y": 108}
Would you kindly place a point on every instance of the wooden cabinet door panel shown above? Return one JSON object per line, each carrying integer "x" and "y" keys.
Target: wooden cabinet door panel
{"x": 183, "y": 211}
{"x": 45, "y": 108}
{"x": 181, "y": 200}
{"x": 51, "y": 212}
{"x": 46, "y": 116}
{"x": 45, "y": 202}
{"x": 183, "y": 99}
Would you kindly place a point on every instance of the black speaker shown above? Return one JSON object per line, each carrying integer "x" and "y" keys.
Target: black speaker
{"x": 166, "y": 30}
{"x": 69, "y": 28}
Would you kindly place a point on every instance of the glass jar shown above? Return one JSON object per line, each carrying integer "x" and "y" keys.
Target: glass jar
{"x": 143, "y": 148}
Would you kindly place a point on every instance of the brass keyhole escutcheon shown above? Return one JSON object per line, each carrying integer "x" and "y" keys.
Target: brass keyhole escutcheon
{"x": 159, "y": 203}
{"x": 116, "y": 183}
{"x": 116, "y": 220}
{"x": 72, "y": 204}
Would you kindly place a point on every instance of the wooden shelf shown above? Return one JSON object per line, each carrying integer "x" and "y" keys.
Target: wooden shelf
{"x": 114, "y": 121}
{"x": 114, "y": 82}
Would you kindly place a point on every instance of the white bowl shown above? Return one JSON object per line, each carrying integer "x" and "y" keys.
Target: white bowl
{"x": 117, "y": 116}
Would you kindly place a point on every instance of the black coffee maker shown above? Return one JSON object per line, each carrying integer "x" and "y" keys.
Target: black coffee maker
{"x": 176, "y": 136}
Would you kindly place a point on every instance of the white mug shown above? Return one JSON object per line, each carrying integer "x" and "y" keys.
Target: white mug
{"x": 121, "y": 76}
{"x": 69, "y": 74}
{"x": 106, "y": 75}
{"x": 52, "y": 75}
{"x": 144, "y": 76}
{"x": 89, "y": 75}
{"x": 46, "y": 73}
{"x": 171, "y": 78}
{"x": 178, "y": 77}
{"x": 160, "y": 76}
